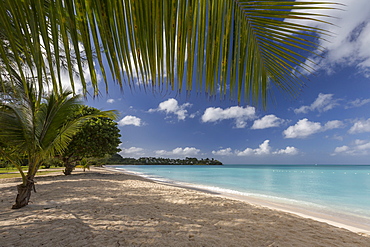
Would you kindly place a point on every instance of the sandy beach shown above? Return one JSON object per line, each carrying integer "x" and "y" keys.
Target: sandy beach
{"x": 105, "y": 208}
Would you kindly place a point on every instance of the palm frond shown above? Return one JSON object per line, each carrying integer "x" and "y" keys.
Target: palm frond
{"x": 225, "y": 45}
{"x": 57, "y": 121}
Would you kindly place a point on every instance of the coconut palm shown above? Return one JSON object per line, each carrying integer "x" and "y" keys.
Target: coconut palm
{"x": 239, "y": 46}
{"x": 35, "y": 130}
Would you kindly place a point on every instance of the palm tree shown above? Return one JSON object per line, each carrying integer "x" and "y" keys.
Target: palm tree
{"x": 239, "y": 46}
{"x": 36, "y": 130}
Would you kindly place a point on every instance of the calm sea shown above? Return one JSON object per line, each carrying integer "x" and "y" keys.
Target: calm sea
{"x": 341, "y": 189}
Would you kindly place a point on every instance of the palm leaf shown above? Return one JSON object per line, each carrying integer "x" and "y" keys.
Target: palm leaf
{"x": 241, "y": 47}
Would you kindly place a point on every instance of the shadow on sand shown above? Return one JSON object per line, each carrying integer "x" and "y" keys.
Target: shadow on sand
{"x": 114, "y": 209}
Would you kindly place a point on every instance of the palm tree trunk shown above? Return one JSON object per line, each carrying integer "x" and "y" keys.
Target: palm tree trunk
{"x": 24, "y": 193}
{"x": 69, "y": 168}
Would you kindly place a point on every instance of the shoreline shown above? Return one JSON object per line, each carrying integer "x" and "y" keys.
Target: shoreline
{"x": 109, "y": 208}
{"x": 351, "y": 223}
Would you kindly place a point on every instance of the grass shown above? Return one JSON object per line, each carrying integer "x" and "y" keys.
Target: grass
{"x": 24, "y": 168}
{"x": 13, "y": 172}
{"x": 11, "y": 169}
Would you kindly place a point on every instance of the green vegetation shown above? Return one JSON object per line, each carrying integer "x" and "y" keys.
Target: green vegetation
{"x": 24, "y": 168}
{"x": 16, "y": 175}
{"x": 12, "y": 169}
{"x": 33, "y": 130}
{"x": 96, "y": 138}
{"x": 161, "y": 161}
{"x": 52, "y": 162}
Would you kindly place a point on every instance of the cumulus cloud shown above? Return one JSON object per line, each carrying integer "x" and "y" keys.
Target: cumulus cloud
{"x": 267, "y": 121}
{"x": 341, "y": 149}
{"x": 110, "y": 101}
{"x": 263, "y": 149}
{"x": 350, "y": 42}
{"x": 287, "y": 150}
{"x": 304, "y": 128}
{"x": 239, "y": 114}
{"x": 171, "y": 106}
{"x": 187, "y": 151}
{"x": 130, "y": 120}
{"x": 358, "y": 147}
{"x": 131, "y": 152}
{"x": 323, "y": 103}
{"x": 223, "y": 152}
{"x": 360, "y": 126}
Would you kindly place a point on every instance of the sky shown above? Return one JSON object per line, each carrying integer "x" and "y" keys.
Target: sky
{"x": 328, "y": 123}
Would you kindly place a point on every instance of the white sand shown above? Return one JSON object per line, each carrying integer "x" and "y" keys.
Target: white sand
{"x": 103, "y": 208}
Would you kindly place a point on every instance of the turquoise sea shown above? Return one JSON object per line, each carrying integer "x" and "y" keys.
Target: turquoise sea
{"x": 340, "y": 190}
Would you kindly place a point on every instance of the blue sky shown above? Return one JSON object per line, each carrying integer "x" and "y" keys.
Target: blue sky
{"x": 328, "y": 123}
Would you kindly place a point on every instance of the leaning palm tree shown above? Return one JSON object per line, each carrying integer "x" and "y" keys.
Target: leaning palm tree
{"x": 35, "y": 130}
{"x": 241, "y": 47}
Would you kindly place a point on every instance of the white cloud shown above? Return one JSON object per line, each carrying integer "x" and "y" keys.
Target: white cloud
{"x": 193, "y": 115}
{"x": 263, "y": 149}
{"x": 323, "y": 103}
{"x": 364, "y": 147}
{"x": 357, "y": 103}
{"x": 337, "y": 137}
{"x": 171, "y": 106}
{"x": 360, "y": 126}
{"x": 64, "y": 74}
{"x": 131, "y": 152}
{"x": 130, "y": 120}
{"x": 358, "y": 147}
{"x": 334, "y": 124}
{"x": 341, "y": 149}
{"x": 110, "y": 101}
{"x": 239, "y": 114}
{"x": 66, "y": 81}
{"x": 359, "y": 142}
{"x": 267, "y": 121}
{"x": 349, "y": 44}
{"x": 187, "y": 151}
{"x": 288, "y": 151}
{"x": 223, "y": 152}
{"x": 304, "y": 128}
{"x": 161, "y": 152}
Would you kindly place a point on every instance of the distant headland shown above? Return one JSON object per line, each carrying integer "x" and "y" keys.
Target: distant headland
{"x": 119, "y": 160}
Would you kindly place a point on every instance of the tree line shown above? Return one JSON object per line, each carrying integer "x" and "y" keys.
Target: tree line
{"x": 117, "y": 159}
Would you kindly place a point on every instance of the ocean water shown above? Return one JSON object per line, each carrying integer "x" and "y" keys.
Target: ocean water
{"x": 333, "y": 189}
